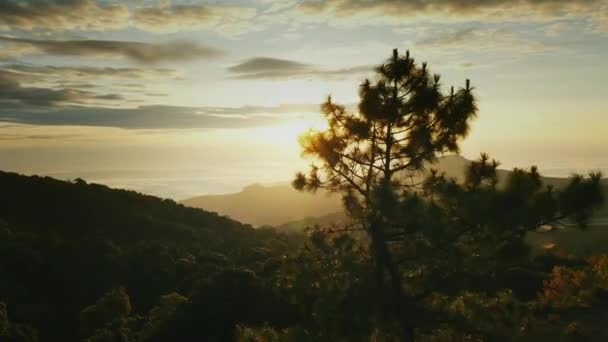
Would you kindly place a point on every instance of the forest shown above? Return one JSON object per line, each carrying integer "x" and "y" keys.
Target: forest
{"x": 432, "y": 259}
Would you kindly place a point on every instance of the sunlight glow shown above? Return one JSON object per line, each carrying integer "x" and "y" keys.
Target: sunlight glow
{"x": 285, "y": 136}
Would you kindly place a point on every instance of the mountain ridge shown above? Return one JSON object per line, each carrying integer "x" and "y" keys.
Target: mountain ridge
{"x": 279, "y": 204}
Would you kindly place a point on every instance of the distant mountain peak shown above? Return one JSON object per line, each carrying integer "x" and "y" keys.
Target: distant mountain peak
{"x": 253, "y": 187}
{"x": 454, "y": 157}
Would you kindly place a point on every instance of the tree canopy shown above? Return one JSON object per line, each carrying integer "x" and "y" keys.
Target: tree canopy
{"x": 431, "y": 236}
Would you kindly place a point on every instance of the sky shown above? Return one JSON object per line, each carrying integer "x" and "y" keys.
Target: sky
{"x": 181, "y": 98}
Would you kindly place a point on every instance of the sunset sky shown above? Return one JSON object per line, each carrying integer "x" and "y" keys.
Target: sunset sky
{"x": 179, "y": 98}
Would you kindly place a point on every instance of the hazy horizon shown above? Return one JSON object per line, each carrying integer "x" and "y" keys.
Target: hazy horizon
{"x": 180, "y": 184}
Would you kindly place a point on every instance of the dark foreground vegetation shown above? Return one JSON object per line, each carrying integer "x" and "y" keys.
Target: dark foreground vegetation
{"x": 430, "y": 260}
{"x": 82, "y": 261}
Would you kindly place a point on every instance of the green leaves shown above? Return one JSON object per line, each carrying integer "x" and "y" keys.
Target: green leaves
{"x": 329, "y": 281}
{"x": 299, "y": 182}
{"x": 482, "y": 171}
{"x": 113, "y": 306}
{"x": 12, "y": 332}
{"x": 581, "y": 197}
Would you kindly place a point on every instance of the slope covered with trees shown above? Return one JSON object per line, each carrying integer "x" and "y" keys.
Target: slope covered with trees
{"x": 268, "y": 205}
{"x": 65, "y": 246}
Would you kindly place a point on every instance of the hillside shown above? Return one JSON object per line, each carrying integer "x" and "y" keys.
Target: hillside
{"x": 278, "y": 205}
{"x": 268, "y": 205}
{"x": 274, "y": 205}
{"x": 328, "y": 220}
{"x": 63, "y": 245}
{"x": 46, "y": 205}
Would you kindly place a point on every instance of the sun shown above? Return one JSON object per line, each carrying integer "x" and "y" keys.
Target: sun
{"x": 302, "y": 124}
{"x": 284, "y": 135}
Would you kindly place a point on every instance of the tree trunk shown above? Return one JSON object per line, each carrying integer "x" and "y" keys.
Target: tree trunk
{"x": 384, "y": 259}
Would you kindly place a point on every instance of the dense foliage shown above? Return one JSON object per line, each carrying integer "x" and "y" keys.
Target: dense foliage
{"x": 437, "y": 240}
{"x": 175, "y": 273}
{"x": 78, "y": 260}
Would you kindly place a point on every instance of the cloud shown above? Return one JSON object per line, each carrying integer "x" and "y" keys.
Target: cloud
{"x": 146, "y": 53}
{"x": 9, "y": 53}
{"x": 264, "y": 64}
{"x": 485, "y": 39}
{"x": 50, "y": 16}
{"x": 599, "y": 19}
{"x": 490, "y": 10}
{"x": 61, "y": 15}
{"x": 51, "y": 136}
{"x": 93, "y": 15}
{"x": 262, "y": 110}
{"x": 130, "y": 85}
{"x": 61, "y": 137}
{"x": 274, "y": 68}
{"x": 221, "y": 19}
{"x": 12, "y": 91}
{"x": 79, "y": 85}
{"x": 451, "y": 38}
{"x": 87, "y": 78}
{"x": 557, "y": 28}
{"x": 275, "y": 6}
{"x": 155, "y": 117}
{"x": 80, "y": 73}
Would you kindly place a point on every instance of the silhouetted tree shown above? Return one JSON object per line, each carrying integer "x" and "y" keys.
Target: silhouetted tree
{"x": 12, "y": 332}
{"x": 404, "y": 121}
{"x": 374, "y": 158}
{"x": 106, "y": 317}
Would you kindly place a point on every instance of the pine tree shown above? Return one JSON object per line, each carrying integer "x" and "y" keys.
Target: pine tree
{"x": 374, "y": 157}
